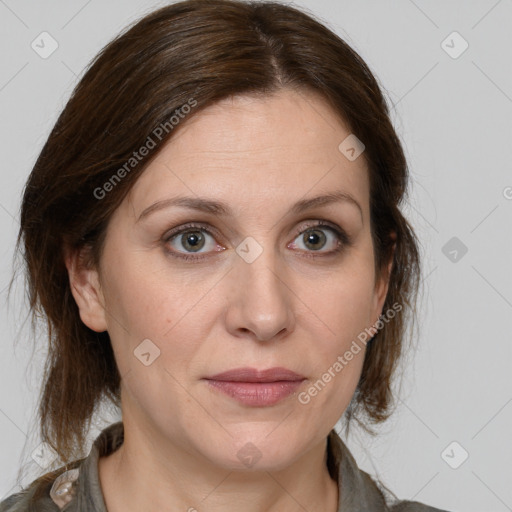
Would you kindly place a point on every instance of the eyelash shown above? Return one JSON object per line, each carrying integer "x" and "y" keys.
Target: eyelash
{"x": 340, "y": 234}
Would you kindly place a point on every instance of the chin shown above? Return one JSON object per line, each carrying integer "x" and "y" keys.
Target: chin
{"x": 255, "y": 451}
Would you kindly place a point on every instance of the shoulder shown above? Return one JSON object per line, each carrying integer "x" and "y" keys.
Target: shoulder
{"x": 14, "y": 502}
{"x": 24, "y": 501}
{"x": 413, "y": 506}
{"x": 359, "y": 490}
{"x": 49, "y": 493}
{"x": 72, "y": 487}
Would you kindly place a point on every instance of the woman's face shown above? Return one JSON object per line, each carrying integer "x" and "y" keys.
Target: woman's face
{"x": 258, "y": 284}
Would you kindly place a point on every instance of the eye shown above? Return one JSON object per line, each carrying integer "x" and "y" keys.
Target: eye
{"x": 318, "y": 236}
{"x": 196, "y": 241}
{"x": 192, "y": 239}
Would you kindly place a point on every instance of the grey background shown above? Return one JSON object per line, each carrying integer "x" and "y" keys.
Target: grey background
{"x": 454, "y": 116}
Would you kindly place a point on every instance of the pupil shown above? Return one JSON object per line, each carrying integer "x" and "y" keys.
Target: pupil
{"x": 194, "y": 240}
{"x": 313, "y": 238}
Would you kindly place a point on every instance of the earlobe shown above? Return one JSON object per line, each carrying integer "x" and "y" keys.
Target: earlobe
{"x": 86, "y": 289}
{"x": 382, "y": 287}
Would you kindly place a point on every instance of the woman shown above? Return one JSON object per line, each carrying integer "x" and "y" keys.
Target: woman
{"x": 214, "y": 235}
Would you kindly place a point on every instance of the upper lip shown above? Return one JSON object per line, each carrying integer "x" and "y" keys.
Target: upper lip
{"x": 254, "y": 375}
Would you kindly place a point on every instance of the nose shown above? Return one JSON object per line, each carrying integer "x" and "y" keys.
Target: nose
{"x": 259, "y": 302}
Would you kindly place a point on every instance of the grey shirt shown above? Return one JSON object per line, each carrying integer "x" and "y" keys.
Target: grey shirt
{"x": 78, "y": 488}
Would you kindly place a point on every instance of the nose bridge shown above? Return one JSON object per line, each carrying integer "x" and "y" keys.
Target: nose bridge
{"x": 259, "y": 268}
{"x": 262, "y": 299}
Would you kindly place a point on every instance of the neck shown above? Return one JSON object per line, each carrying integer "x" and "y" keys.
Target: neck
{"x": 145, "y": 471}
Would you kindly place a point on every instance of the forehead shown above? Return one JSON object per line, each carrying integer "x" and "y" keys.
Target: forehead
{"x": 253, "y": 151}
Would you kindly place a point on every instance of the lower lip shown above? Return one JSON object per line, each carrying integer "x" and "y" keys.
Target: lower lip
{"x": 257, "y": 393}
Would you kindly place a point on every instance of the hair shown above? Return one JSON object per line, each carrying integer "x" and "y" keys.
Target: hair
{"x": 194, "y": 52}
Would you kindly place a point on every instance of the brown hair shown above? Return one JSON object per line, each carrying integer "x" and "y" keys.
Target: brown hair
{"x": 198, "y": 51}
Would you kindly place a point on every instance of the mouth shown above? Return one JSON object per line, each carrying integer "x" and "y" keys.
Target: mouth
{"x": 256, "y": 388}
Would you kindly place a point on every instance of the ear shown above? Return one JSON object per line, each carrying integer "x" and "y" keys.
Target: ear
{"x": 86, "y": 289}
{"x": 382, "y": 285}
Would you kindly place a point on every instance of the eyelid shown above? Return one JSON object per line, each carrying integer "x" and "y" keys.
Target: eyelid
{"x": 205, "y": 226}
{"x": 324, "y": 223}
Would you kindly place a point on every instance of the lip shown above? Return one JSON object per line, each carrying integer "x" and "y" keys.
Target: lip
{"x": 257, "y": 388}
{"x": 248, "y": 374}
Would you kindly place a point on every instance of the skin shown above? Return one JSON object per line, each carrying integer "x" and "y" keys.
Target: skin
{"x": 285, "y": 309}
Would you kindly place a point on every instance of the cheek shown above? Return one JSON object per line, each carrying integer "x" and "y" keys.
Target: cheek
{"x": 144, "y": 302}
{"x": 344, "y": 303}
{"x": 344, "y": 307}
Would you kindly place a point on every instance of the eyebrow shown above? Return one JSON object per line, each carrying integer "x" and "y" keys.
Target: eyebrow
{"x": 219, "y": 208}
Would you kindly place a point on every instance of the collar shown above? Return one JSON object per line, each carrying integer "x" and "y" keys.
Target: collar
{"x": 79, "y": 489}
